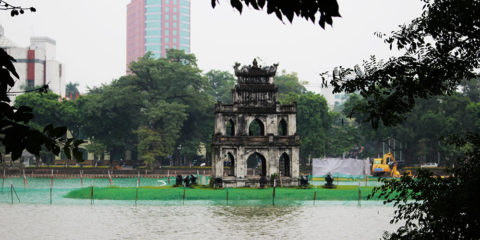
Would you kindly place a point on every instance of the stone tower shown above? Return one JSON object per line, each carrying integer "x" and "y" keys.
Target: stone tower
{"x": 255, "y": 136}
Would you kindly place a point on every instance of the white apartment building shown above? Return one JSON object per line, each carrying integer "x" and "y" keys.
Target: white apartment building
{"x": 36, "y": 64}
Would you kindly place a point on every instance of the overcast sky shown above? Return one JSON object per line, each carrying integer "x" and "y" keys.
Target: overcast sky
{"x": 91, "y": 36}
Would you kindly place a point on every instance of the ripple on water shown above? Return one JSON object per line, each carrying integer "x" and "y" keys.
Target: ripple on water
{"x": 29, "y": 221}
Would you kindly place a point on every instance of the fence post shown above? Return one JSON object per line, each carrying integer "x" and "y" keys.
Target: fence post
{"x": 315, "y": 196}
{"x": 81, "y": 178}
{"x": 12, "y": 191}
{"x": 51, "y": 178}
{"x": 136, "y": 196}
{"x": 3, "y": 183}
{"x": 227, "y": 196}
{"x": 273, "y": 196}
{"x": 91, "y": 196}
{"x": 25, "y": 181}
{"x": 359, "y": 194}
{"x": 184, "y": 194}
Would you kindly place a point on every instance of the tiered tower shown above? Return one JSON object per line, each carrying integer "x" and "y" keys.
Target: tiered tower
{"x": 255, "y": 136}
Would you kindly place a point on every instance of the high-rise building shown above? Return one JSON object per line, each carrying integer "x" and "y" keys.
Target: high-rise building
{"x": 157, "y": 25}
{"x": 36, "y": 65}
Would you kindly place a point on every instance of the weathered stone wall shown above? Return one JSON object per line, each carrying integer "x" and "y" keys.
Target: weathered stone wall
{"x": 255, "y": 97}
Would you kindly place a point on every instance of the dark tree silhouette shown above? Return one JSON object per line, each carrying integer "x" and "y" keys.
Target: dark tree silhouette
{"x": 15, "y": 10}
{"x": 15, "y": 135}
{"x": 441, "y": 49}
{"x": 290, "y": 9}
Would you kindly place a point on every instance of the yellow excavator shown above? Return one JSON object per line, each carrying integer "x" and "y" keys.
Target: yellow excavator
{"x": 381, "y": 166}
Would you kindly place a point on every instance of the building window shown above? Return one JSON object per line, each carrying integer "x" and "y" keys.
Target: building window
{"x": 184, "y": 11}
{"x": 166, "y": 40}
{"x": 174, "y": 25}
{"x": 154, "y": 2}
{"x": 166, "y": 16}
{"x": 152, "y": 40}
{"x": 174, "y": 32}
{"x": 154, "y": 9}
{"x": 184, "y": 18}
{"x": 30, "y": 83}
{"x": 185, "y": 48}
{"x": 185, "y": 3}
{"x": 167, "y": 9}
{"x": 153, "y": 33}
{"x": 174, "y": 9}
{"x": 153, "y": 17}
{"x": 166, "y": 24}
{"x": 174, "y": 40}
{"x": 153, "y": 48}
{"x": 166, "y": 32}
{"x": 152, "y": 25}
{"x": 175, "y": 17}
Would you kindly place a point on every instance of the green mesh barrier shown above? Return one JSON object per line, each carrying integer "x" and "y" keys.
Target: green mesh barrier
{"x": 124, "y": 190}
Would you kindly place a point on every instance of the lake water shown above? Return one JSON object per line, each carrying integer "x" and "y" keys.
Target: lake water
{"x": 35, "y": 218}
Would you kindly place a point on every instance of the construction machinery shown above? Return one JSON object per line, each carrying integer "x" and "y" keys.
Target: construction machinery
{"x": 385, "y": 167}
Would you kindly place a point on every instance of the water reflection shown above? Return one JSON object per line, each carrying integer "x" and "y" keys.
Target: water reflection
{"x": 256, "y": 221}
{"x": 253, "y": 212}
{"x": 193, "y": 222}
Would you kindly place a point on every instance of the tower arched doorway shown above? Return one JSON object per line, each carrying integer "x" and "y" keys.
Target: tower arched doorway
{"x": 257, "y": 165}
{"x": 229, "y": 165}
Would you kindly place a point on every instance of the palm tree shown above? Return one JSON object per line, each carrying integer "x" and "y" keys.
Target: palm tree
{"x": 71, "y": 89}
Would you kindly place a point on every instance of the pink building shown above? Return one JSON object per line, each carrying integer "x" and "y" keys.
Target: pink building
{"x": 157, "y": 25}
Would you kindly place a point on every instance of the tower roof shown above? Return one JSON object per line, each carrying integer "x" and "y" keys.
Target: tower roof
{"x": 254, "y": 72}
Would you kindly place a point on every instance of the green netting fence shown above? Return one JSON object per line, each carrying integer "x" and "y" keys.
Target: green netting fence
{"x": 77, "y": 191}
{"x": 233, "y": 195}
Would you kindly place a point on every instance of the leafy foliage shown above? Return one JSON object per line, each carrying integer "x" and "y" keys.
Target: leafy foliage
{"x": 421, "y": 137}
{"x": 71, "y": 89}
{"x": 110, "y": 114}
{"x": 440, "y": 50}
{"x": 160, "y": 130}
{"x": 307, "y": 9}
{"x": 16, "y": 134}
{"x": 164, "y": 103}
{"x": 437, "y": 208}
{"x": 343, "y": 137}
{"x": 221, "y": 85}
{"x": 313, "y": 122}
{"x": 289, "y": 83}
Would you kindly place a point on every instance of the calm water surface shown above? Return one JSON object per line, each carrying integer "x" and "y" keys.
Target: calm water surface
{"x": 35, "y": 218}
{"x": 325, "y": 221}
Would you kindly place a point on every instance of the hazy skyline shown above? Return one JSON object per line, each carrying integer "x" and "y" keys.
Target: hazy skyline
{"x": 91, "y": 38}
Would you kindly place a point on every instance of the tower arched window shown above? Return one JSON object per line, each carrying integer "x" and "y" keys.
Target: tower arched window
{"x": 282, "y": 128}
{"x": 230, "y": 128}
{"x": 256, "y": 128}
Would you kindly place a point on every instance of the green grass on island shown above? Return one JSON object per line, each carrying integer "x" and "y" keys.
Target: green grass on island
{"x": 340, "y": 193}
